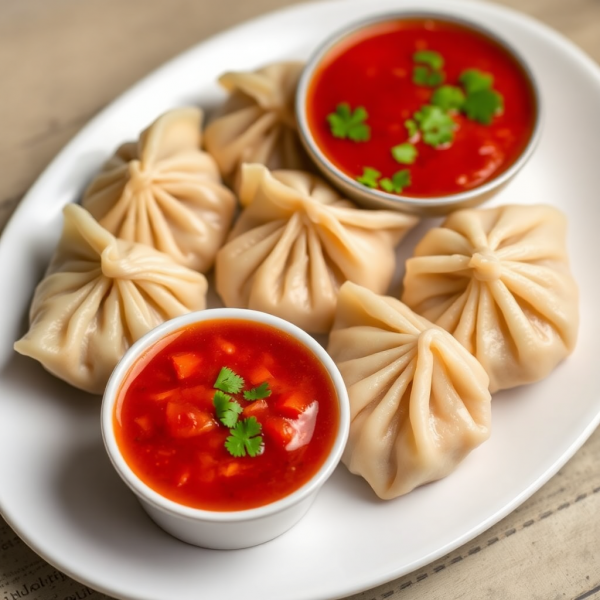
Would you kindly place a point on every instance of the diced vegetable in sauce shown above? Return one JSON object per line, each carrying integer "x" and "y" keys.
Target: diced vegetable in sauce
{"x": 229, "y": 415}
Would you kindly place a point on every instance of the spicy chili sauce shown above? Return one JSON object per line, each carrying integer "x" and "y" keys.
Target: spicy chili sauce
{"x": 166, "y": 425}
{"x": 373, "y": 68}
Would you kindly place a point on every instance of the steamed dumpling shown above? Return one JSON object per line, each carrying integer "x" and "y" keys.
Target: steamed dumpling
{"x": 297, "y": 241}
{"x": 163, "y": 191}
{"x": 257, "y": 124}
{"x": 499, "y": 281}
{"x": 419, "y": 402}
{"x": 99, "y": 296}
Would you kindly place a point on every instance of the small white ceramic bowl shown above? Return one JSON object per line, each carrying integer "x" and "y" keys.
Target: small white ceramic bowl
{"x": 228, "y": 529}
{"x": 374, "y": 198}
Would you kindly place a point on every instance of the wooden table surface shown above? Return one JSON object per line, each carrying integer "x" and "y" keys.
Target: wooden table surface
{"x": 61, "y": 62}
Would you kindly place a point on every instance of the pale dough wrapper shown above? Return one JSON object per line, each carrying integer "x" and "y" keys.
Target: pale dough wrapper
{"x": 498, "y": 279}
{"x": 257, "y": 124}
{"x": 419, "y": 402}
{"x": 163, "y": 191}
{"x": 98, "y": 297}
{"x": 295, "y": 243}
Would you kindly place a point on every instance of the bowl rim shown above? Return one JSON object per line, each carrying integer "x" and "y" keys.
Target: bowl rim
{"x": 145, "y": 493}
{"x": 335, "y": 173}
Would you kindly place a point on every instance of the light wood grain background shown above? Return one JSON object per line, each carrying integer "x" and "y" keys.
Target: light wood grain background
{"x": 61, "y": 62}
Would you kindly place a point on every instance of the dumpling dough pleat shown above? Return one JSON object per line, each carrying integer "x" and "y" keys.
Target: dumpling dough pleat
{"x": 297, "y": 241}
{"x": 257, "y": 124}
{"x": 165, "y": 192}
{"x": 98, "y": 297}
{"x": 499, "y": 281}
{"x": 419, "y": 402}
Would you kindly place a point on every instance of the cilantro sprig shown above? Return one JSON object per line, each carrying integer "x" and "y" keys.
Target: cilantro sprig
{"x": 258, "y": 393}
{"x": 372, "y": 178}
{"x": 397, "y": 183}
{"x": 428, "y": 70}
{"x": 405, "y": 154}
{"x": 228, "y": 381}
{"x": 436, "y": 125}
{"x": 226, "y": 408}
{"x": 345, "y": 123}
{"x": 369, "y": 177}
{"x": 245, "y": 438}
{"x": 448, "y": 97}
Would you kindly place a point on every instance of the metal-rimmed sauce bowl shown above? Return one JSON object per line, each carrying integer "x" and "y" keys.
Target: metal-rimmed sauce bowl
{"x": 227, "y": 529}
{"x": 377, "y": 198}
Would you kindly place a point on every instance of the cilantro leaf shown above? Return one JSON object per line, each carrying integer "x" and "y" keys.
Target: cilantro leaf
{"x": 257, "y": 393}
{"x": 411, "y": 128}
{"x": 228, "y": 381}
{"x": 369, "y": 177}
{"x": 245, "y": 438}
{"x": 474, "y": 80}
{"x": 482, "y": 105}
{"x": 404, "y": 153}
{"x": 397, "y": 183}
{"x": 227, "y": 409}
{"x": 435, "y": 124}
{"x": 429, "y": 57}
{"x": 448, "y": 97}
{"x": 423, "y": 75}
{"x": 345, "y": 124}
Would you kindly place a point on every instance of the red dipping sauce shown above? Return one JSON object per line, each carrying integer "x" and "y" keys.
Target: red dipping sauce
{"x": 168, "y": 432}
{"x": 373, "y": 68}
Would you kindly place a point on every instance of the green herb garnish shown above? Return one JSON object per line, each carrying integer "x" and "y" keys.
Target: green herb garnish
{"x": 404, "y": 153}
{"x": 228, "y": 381}
{"x": 436, "y": 125}
{"x": 226, "y": 408}
{"x": 482, "y": 105}
{"x": 245, "y": 438}
{"x": 397, "y": 183}
{"x": 474, "y": 80}
{"x": 448, "y": 97}
{"x": 428, "y": 70}
{"x": 369, "y": 177}
{"x": 345, "y": 123}
{"x": 430, "y": 58}
{"x": 411, "y": 128}
{"x": 423, "y": 75}
{"x": 258, "y": 393}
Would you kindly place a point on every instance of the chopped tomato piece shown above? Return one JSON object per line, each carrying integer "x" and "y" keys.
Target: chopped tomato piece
{"x": 145, "y": 424}
{"x": 199, "y": 395}
{"x": 225, "y": 346}
{"x": 171, "y": 394}
{"x": 292, "y": 405}
{"x": 255, "y": 408}
{"x": 259, "y": 375}
{"x": 268, "y": 360}
{"x": 185, "y": 364}
{"x": 279, "y": 430}
{"x": 304, "y": 427}
{"x": 187, "y": 420}
{"x": 230, "y": 468}
{"x": 207, "y": 467}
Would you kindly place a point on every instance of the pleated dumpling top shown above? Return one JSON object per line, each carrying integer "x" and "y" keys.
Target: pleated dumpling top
{"x": 296, "y": 241}
{"x": 419, "y": 402}
{"x": 165, "y": 192}
{"x": 98, "y": 297}
{"x": 499, "y": 280}
{"x": 257, "y": 123}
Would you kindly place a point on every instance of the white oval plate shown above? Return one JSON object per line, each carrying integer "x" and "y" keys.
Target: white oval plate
{"x": 59, "y": 491}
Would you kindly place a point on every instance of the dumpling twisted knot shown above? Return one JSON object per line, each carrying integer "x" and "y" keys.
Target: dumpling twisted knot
{"x": 499, "y": 281}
